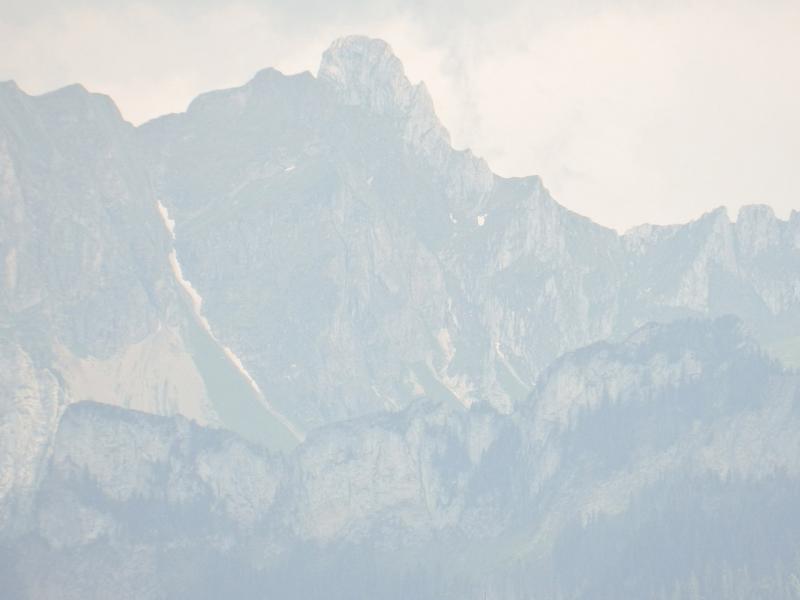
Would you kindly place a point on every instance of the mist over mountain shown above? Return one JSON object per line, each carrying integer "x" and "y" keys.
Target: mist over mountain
{"x": 291, "y": 343}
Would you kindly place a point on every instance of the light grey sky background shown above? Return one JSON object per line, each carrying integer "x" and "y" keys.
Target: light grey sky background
{"x": 631, "y": 112}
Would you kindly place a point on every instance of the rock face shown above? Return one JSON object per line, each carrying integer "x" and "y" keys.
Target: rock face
{"x": 30, "y": 406}
{"x": 84, "y": 276}
{"x": 89, "y": 289}
{"x": 355, "y": 261}
{"x": 82, "y": 248}
{"x": 683, "y": 434}
{"x": 318, "y": 239}
{"x": 308, "y": 258}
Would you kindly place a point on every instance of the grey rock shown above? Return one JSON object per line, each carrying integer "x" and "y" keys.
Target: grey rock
{"x": 684, "y": 429}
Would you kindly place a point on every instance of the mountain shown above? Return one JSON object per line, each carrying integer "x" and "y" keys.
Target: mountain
{"x": 666, "y": 463}
{"x": 91, "y": 291}
{"x": 316, "y": 244}
{"x": 355, "y": 261}
{"x": 292, "y": 334}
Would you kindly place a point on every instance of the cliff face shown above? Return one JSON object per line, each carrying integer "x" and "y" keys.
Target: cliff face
{"x": 308, "y": 258}
{"x": 355, "y": 261}
{"x": 30, "y": 406}
{"x": 684, "y": 428}
{"x": 306, "y": 249}
{"x": 82, "y": 248}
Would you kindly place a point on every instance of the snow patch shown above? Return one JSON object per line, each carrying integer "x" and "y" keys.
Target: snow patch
{"x": 168, "y": 223}
{"x": 501, "y": 355}
{"x": 289, "y": 168}
{"x": 197, "y": 309}
{"x": 446, "y": 344}
{"x": 452, "y": 314}
{"x": 416, "y": 387}
{"x": 459, "y": 386}
{"x": 238, "y": 363}
{"x": 194, "y": 296}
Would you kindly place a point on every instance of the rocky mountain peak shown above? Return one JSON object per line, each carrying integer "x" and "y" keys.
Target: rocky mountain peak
{"x": 365, "y": 72}
{"x": 758, "y": 228}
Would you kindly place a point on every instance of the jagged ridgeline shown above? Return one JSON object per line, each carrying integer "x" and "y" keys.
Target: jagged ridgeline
{"x": 291, "y": 343}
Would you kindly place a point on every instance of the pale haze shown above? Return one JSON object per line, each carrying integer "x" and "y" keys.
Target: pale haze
{"x": 631, "y": 112}
{"x": 288, "y": 341}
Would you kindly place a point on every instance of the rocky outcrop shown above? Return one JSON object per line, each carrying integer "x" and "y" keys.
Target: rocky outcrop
{"x": 307, "y": 257}
{"x": 347, "y": 258}
{"x": 89, "y": 286}
{"x": 613, "y": 436}
{"x": 355, "y": 261}
{"x": 31, "y": 402}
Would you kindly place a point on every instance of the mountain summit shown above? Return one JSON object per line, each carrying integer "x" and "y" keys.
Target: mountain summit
{"x": 366, "y": 72}
{"x": 341, "y": 255}
{"x": 425, "y": 369}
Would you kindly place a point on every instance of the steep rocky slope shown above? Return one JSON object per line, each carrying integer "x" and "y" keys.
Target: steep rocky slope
{"x": 676, "y": 452}
{"x": 85, "y": 283}
{"x": 317, "y": 245}
{"x": 91, "y": 293}
{"x": 307, "y": 257}
{"x": 356, "y": 261}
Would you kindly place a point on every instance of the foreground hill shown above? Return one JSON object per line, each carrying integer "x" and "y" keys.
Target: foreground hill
{"x": 663, "y": 466}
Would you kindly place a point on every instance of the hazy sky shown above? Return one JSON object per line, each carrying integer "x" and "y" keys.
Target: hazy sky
{"x": 630, "y": 111}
